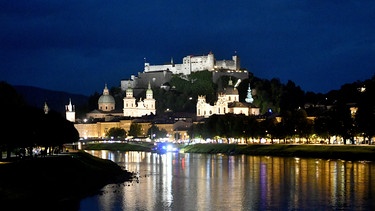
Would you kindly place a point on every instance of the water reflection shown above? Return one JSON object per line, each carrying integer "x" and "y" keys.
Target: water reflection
{"x": 219, "y": 182}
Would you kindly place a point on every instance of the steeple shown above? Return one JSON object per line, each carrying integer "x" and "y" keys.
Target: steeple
{"x": 149, "y": 92}
{"x": 249, "y": 97}
{"x": 46, "y": 108}
{"x": 105, "y": 90}
{"x": 69, "y": 107}
{"x": 70, "y": 112}
{"x": 129, "y": 91}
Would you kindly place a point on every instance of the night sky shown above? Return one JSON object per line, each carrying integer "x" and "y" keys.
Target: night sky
{"x": 78, "y": 46}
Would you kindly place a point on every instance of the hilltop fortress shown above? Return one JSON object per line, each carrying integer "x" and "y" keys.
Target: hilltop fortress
{"x": 192, "y": 64}
{"x": 158, "y": 75}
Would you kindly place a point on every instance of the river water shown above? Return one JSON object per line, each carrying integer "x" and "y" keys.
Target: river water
{"x": 177, "y": 181}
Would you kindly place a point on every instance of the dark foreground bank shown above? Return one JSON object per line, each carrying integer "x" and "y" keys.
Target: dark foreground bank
{"x": 56, "y": 182}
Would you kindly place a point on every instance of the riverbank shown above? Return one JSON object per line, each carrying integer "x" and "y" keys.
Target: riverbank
{"x": 56, "y": 182}
{"x": 59, "y": 182}
{"x": 345, "y": 152}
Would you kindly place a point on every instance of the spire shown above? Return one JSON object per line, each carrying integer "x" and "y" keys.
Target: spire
{"x": 149, "y": 92}
{"x": 70, "y": 107}
{"x": 249, "y": 97}
{"x": 46, "y": 108}
{"x": 70, "y": 111}
{"x": 105, "y": 90}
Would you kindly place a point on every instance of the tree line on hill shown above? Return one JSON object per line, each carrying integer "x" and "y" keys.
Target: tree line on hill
{"x": 26, "y": 127}
{"x": 303, "y": 114}
{"x": 288, "y": 112}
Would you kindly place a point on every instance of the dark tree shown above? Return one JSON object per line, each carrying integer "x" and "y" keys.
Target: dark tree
{"x": 269, "y": 128}
{"x": 292, "y": 97}
{"x": 135, "y": 130}
{"x": 116, "y": 132}
{"x": 155, "y": 132}
{"x": 365, "y": 116}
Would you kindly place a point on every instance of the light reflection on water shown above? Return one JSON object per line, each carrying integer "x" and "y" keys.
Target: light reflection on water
{"x": 175, "y": 181}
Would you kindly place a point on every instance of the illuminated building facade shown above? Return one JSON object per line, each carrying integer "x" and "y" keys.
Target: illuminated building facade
{"x": 196, "y": 63}
{"x": 70, "y": 112}
{"x": 228, "y": 102}
{"x": 132, "y": 108}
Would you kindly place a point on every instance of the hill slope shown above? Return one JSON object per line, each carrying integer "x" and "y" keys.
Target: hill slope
{"x": 56, "y": 100}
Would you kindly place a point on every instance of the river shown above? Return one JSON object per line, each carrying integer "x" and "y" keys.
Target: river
{"x": 177, "y": 181}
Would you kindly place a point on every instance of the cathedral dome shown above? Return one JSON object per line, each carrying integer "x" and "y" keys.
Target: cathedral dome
{"x": 106, "y": 99}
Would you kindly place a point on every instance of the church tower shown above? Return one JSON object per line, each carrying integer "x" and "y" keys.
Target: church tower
{"x": 221, "y": 104}
{"x": 149, "y": 102}
{"x": 231, "y": 92}
{"x": 201, "y": 105}
{"x": 70, "y": 112}
{"x": 129, "y": 102}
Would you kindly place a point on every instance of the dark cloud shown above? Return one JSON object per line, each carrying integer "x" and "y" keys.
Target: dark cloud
{"x": 77, "y": 46}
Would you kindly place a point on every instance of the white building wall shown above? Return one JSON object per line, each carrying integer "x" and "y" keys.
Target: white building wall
{"x": 129, "y": 111}
{"x": 221, "y": 107}
{"x": 140, "y": 108}
{"x": 71, "y": 116}
{"x": 205, "y": 109}
{"x": 151, "y": 68}
{"x": 150, "y": 105}
{"x": 240, "y": 110}
{"x": 254, "y": 111}
{"x": 194, "y": 64}
{"x": 175, "y": 69}
{"x": 70, "y": 112}
{"x": 231, "y": 98}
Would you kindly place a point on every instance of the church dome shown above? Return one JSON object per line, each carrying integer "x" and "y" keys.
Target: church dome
{"x": 106, "y": 99}
{"x": 231, "y": 90}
